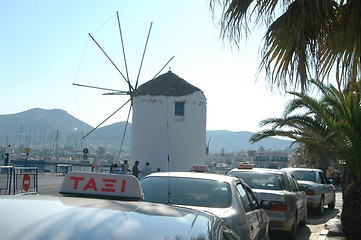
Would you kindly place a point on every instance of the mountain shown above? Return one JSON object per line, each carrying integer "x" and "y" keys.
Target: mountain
{"x": 237, "y": 141}
{"x": 39, "y": 127}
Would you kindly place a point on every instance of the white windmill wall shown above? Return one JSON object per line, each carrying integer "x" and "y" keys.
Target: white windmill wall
{"x": 157, "y": 132}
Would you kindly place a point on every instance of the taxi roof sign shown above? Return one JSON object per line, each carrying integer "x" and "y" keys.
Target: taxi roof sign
{"x": 103, "y": 185}
{"x": 199, "y": 168}
{"x": 245, "y": 166}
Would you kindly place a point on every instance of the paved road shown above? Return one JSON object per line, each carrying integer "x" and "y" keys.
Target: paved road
{"x": 49, "y": 183}
{"x": 315, "y": 223}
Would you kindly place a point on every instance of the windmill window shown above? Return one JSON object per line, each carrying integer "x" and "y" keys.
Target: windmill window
{"x": 179, "y": 108}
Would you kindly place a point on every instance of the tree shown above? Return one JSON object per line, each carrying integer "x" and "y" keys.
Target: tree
{"x": 331, "y": 125}
{"x": 101, "y": 151}
{"x": 306, "y": 41}
{"x": 312, "y": 157}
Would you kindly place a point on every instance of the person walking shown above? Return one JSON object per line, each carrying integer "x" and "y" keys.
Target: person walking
{"x": 125, "y": 167}
{"x": 146, "y": 170}
{"x": 116, "y": 169}
{"x": 111, "y": 167}
{"x": 135, "y": 170}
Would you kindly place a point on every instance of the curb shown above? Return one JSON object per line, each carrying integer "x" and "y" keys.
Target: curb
{"x": 323, "y": 235}
{"x": 333, "y": 229}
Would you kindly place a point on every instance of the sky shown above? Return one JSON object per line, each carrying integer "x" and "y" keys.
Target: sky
{"x": 45, "y": 47}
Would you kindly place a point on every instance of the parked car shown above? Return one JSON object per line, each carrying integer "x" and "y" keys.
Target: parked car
{"x": 225, "y": 196}
{"x": 288, "y": 206}
{"x": 318, "y": 188}
{"x": 103, "y": 206}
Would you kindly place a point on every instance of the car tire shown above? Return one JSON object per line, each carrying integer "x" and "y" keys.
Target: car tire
{"x": 332, "y": 204}
{"x": 320, "y": 207}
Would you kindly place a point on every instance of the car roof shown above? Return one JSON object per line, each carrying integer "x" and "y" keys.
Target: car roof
{"x": 301, "y": 169}
{"x": 82, "y": 213}
{"x": 260, "y": 170}
{"x": 209, "y": 176}
{"x": 56, "y": 217}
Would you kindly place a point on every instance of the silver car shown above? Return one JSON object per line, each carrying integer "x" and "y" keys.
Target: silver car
{"x": 288, "y": 206}
{"x": 103, "y": 206}
{"x": 227, "y": 197}
{"x": 318, "y": 189}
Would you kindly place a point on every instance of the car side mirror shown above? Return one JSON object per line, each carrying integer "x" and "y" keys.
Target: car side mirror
{"x": 266, "y": 204}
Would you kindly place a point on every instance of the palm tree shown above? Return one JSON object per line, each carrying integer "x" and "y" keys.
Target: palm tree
{"x": 312, "y": 157}
{"x": 306, "y": 41}
{"x": 332, "y": 125}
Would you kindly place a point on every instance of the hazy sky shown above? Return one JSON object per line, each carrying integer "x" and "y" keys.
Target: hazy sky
{"x": 45, "y": 48}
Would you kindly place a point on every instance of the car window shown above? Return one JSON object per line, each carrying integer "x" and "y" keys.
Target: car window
{"x": 294, "y": 184}
{"x": 261, "y": 180}
{"x": 322, "y": 178}
{"x": 252, "y": 197}
{"x": 187, "y": 191}
{"x": 248, "y": 206}
{"x": 305, "y": 175}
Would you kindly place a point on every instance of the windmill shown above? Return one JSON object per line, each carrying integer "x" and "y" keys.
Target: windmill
{"x": 131, "y": 87}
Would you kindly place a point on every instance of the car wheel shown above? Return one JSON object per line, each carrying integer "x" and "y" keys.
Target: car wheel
{"x": 292, "y": 233}
{"x": 321, "y": 206}
{"x": 331, "y": 205}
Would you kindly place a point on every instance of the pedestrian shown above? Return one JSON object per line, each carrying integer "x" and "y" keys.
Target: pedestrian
{"x": 111, "y": 167}
{"x": 98, "y": 166}
{"x": 117, "y": 169}
{"x": 146, "y": 170}
{"x": 125, "y": 167}
{"x": 135, "y": 170}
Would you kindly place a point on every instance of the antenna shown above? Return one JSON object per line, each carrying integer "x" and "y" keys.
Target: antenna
{"x": 169, "y": 201}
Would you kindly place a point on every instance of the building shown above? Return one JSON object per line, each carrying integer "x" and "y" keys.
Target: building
{"x": 271, "y": 159}
{"x": 169, "y": 124}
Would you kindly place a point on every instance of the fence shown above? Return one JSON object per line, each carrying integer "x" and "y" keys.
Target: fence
{"x": 63, "y": 169}
{"x": 18, "y": 180}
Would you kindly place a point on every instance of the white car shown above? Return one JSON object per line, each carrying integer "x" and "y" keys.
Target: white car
{"x": 319, "y": 190}
{"x": 227, "y": 197}
{"x": 103, "y": 206}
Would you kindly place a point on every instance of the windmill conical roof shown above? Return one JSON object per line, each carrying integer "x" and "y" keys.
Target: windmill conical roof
{"x": 168, "y": 84}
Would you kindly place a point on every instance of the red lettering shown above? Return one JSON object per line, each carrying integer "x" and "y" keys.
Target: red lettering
{"x": 77, "y": 179}
{"x": 91, "y": 184}
{"x": 123, "y": 186}
{"x": 109, "y": 186}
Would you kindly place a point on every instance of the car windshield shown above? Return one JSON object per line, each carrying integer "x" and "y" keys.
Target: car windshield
{"x": 261, "y": 180}
{"x": 305, "y": 175}
{"x": 187, "y": 191}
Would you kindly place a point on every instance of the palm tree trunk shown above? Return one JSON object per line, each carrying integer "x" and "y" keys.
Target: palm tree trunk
{"x": 351, "y": 212}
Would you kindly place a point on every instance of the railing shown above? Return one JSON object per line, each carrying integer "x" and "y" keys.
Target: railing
{"x": 18, "y": 180}
{"x": 63, "y": 169}
{"x": 5, "y": 179}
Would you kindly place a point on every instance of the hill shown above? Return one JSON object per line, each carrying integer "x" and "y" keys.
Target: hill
{"x": 41, "y": 128}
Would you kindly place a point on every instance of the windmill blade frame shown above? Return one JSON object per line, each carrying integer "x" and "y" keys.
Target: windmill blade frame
{"x": 111, "y": 61}
{"x": 106, "y": 119}
{"x": 88, "y": 86}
